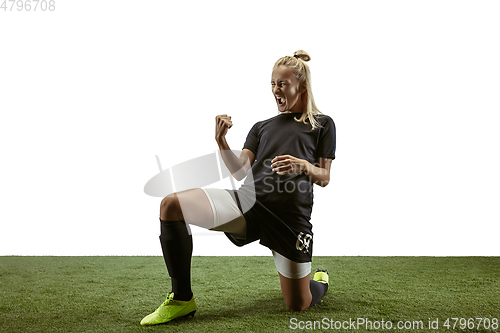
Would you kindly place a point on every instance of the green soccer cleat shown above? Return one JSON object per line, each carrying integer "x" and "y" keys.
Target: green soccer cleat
{"x": 321, "y": 276}
{"x": 170, "y": 310}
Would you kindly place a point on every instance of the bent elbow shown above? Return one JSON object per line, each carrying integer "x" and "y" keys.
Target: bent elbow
{"x": 238, "y": 178}
{"x": 239, "y": 175}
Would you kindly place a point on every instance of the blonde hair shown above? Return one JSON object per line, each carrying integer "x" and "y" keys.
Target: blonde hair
{"x": 299, "y": 68}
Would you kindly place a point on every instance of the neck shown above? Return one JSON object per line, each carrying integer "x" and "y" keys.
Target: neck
{"x": 299, "y": 107}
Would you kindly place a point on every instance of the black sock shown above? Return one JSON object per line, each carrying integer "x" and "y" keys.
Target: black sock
{"x": 177, "y": 247}
{"x": 318, "y": 289}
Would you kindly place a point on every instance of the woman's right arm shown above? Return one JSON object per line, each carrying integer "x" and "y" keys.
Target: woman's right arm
{"x": 237, "y": 166}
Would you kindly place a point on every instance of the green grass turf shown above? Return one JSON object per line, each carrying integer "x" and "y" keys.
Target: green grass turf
{"x": 238, "y": 294}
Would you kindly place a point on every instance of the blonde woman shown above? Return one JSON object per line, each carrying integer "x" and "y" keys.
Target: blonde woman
{"x": 282, "y": 158}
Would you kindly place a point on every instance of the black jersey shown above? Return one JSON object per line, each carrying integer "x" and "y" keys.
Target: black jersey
{"x": 281, "y": 135}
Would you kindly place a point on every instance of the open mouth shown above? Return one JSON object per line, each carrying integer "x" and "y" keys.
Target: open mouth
{"x": 281, "y": 100}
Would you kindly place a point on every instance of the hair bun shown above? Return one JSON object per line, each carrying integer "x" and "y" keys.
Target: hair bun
{"x": 302, "y": 55}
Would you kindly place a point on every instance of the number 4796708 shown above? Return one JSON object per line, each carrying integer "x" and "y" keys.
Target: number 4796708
{"x": 28, "y": 5}
{"x": 471, "y": 323}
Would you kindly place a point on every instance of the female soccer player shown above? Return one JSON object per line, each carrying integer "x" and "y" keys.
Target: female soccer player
{"x": 282, "y": 158}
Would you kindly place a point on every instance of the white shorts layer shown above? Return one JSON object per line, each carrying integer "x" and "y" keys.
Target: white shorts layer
{"x": 291, "y": 269}
{"x": 227, "y": 216}
{"x": 223, "y": 206}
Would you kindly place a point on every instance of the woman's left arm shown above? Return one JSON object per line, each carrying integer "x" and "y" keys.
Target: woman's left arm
{"x": 320, "y": 175}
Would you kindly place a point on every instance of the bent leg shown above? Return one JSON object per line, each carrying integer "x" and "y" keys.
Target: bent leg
{"x": 177, "y": 210}
{"x": 294, "y": 280}
{"x": 191, "y": 206}
{"x": 296, "y": 292}
{"x": 207, "y": 209}
{"x": 210, "y": 208}
{"x": 177, "y": 247}
{"x": 300, "y": 294}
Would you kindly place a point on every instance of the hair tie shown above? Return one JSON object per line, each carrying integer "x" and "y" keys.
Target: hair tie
{"x": 296, "y": 56}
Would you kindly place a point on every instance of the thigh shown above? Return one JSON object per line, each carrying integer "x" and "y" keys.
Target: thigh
{"x": 196, "y": 207}
{"x": 294, "y": 281}
{"x": 296, "y": 292}
{"x": 291, "y": 269}
{"x": 227, "y": 215}
{"x": 212, "y": 209}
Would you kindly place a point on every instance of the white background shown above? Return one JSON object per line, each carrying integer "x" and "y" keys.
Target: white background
{"x": 91, "y": 92}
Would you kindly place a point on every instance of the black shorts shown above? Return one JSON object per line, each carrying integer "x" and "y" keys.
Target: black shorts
{"x": 294, "y": 243}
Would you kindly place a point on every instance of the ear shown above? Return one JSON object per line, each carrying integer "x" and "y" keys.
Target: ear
{"x": 303, "y": 89}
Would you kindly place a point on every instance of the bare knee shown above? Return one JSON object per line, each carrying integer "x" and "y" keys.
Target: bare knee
{"x": 296, "y": 292}
{"x": 170, "y": 208}
{"x": 297, "y": 304}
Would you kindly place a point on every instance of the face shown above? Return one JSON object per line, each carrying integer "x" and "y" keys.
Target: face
{"x": 286, "y": 90}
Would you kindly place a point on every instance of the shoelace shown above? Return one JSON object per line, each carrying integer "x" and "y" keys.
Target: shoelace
{"x": 169, "y": 299}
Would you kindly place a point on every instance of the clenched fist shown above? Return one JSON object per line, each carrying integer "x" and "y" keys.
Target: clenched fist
{"x": 222, "y": 124}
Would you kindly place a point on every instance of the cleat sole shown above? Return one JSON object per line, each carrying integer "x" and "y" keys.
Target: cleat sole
{"x": 190, "y": 314}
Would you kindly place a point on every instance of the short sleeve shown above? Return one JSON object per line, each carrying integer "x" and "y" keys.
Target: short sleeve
{"x": 252, "y": 141}
{"x": 327, "y": 139}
